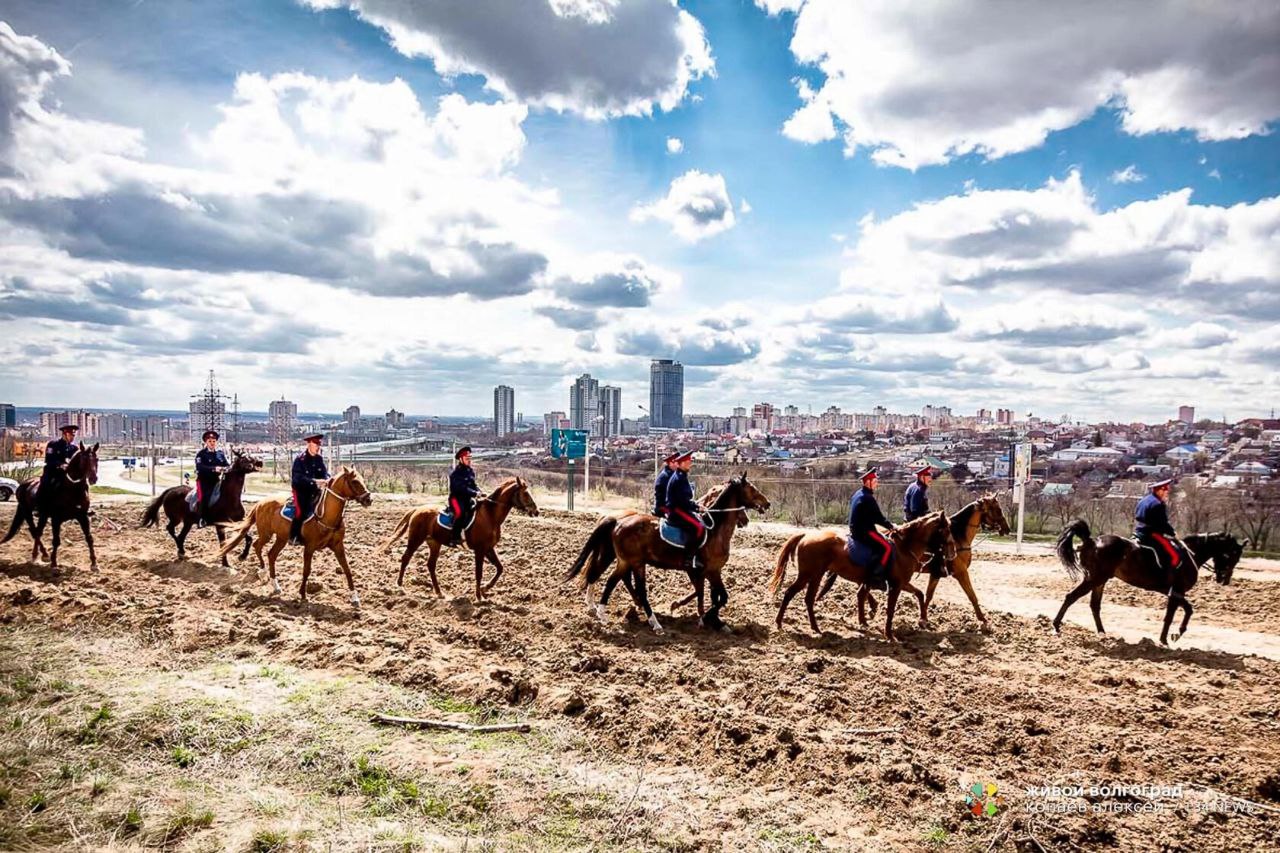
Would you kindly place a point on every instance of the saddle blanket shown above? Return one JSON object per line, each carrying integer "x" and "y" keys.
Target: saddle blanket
{"x": 193, "y": 500}
{"x": 861, "y": 554}
{"x": 445, "y": 520}
{"x": 288, "y": 510}
{"x": 676, "y": 536}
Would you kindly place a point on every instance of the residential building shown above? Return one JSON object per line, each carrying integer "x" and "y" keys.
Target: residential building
{"x": 666, "y": 393}
{"x": 611, "y": 410}
{"x": 584, "y": 403}
{"x": 282, "y": 419}
{"x": 504, "y": 410}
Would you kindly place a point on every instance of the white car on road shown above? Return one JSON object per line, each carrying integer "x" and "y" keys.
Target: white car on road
{"x": 8, "y": 488}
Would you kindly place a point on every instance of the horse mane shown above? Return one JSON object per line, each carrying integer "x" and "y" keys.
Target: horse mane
{"x": 510, "y": 482}
{"x": 912, "y": 528}
{"x": 961, "y": 519}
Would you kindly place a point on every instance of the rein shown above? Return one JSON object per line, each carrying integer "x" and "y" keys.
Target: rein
{"x": 342, "y": 507}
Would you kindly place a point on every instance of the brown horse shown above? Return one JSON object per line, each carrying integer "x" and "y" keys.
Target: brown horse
{"x": 983, "y": 514}
{"x": 823, "y": 551}
{"x": 324, "y": 529}
{"x": 635, "y": 543}
{"x": 1109, "y": 557}
{"x": 70, "y": 502}
{"x": 482, "y": 537}
{"x": 228, "y": 509}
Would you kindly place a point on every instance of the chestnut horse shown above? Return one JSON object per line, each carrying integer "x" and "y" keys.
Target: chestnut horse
{"x": 324, "y": 529}
{"x": 1109, "y": 557}
{"x": 983, "y": 514}
{"x": 482, "y": 537}
{"x": 70, "y": 502}
{"x": 823, "y": 551}
{"x": 635, "y": 543}
{"x": 227, "y": 510}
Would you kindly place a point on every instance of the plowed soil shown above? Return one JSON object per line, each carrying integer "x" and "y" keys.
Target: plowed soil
{"x": 763, "y": 726}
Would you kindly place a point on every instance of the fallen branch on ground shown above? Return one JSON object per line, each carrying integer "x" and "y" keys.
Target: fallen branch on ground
{"x": 448, "y": 724}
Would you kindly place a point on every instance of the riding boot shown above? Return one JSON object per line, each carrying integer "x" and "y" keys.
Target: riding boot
{"x": 295, "y": 527}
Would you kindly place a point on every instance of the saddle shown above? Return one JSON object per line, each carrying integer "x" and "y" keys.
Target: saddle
{"x": 678, "y": 537}
{"x": 193, "y": 500}
{"x": 861, "y": 554}
{"x": 445, "y": 520}
{"x": 288, "y": 511}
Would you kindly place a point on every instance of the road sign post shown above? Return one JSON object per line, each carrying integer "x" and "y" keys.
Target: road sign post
{"x": 1021, "y": 464}
{"x": 569, "y": 498}
{"x": 569, "y": 444}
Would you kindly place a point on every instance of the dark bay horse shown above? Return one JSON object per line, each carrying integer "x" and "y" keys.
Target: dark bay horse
{"x": 1221, "y": 550}
{"x": 983, "y": 514}
{"x": 635, "y": 543}
{"x": 1107, "y": 557}
{"x": 228, "y": 509}
{"x": 822, "y": 551}
{"x": 70, "y": 502}
{"x": 482, "y": 537}
{"x": 324, "y": 529}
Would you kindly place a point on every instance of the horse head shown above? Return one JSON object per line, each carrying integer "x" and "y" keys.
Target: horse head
{"x": 1226, "y": 556}
{"x": 522, "y": 499}
{"x": 349, "y": 485}
{"x": 992, "y": 517}
{"x": 83, "y": 464}
{"x": 244, "y": 462}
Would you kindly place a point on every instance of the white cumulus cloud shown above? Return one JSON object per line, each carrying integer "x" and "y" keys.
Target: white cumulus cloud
{"x": 696, "y": 206}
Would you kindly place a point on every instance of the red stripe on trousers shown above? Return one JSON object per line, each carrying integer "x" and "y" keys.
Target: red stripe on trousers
{"x": 689, "y": 518}
{"x": 1168, "y": 547}
{"x": 455, "y": 506}
{"x": 885, "y": 542}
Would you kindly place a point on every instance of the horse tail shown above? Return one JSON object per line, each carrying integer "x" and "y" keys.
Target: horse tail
{"x": 396, "y": 534}
{"x": 151, "y": 517}
{"x": 1066, "y": 548}
{"x": 598, "y": 550}
{"x": 241, "y": 532}
{"x": 17, "y": 522}
{"x": 780, "y": 570}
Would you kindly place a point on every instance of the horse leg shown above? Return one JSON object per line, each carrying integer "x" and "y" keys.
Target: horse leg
{"x": 889, "y": 609}
{"x": 340, "y": 551}
{"x": 248, "y": 542}
{"x": 172, "y": 528}
{"x": 828, "y": 582}
{"x": 307, "y": 552}
{"x": 811, "y": 596}
{"x": 619, "y": 572}
{"x": 433, "y": 554}
{"x": 642, "y": 592}
{"x": 497, "y": 568}
{"x": 1095, "y": 605}
{"x": 788, "y": 595}
{"x": 864, "y": 595}
{"x": 966, "y": 583}
{"x": 479, "y": 555}
{"x": 696, "y": 594}
{"x": 1186, "y": 620}
{"x": 1072, "y": 597}
{"x": 924, "y": 608}
{"x": 410, "y": 548}
{"x": 83, "y": 518}
{"x": 1170, "y": 608}
{"x": 222, "y": 539}
{"x": 276, "y": 548}
{"x": 37, "y": 535}
{"x": 928, "y": 592}
{"x": 719, "y": 598}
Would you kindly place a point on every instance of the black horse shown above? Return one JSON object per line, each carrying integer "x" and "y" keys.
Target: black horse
{"x": 1109, "y": 557}
{"x": 227, "y": 509}
{"x": 70, "y": 501}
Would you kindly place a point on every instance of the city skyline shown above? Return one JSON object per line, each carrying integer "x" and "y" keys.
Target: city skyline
{"x": 320, "y": 199}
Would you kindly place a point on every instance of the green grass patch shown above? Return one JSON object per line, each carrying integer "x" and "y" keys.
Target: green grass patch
{"x": 269, "y": 841}
{"x": 182, "y": 756}
{"x": 184, "y": 822}
{"x": 789, "y": 840}
{"x": 109, "y": 490}
{"x": 935, "y": 836}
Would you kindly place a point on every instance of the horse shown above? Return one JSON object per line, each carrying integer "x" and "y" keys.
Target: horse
{"x": 1221, "y": 548}
{"x": 635, "y": 543}
{"x": 422, "y": 525}
{"x": 1109, "y": 557}
{"x": 983, "y": 514}
{"x": 70, "y": 501}
{"x": 822, "y": 551}
{"x": 227, "y": 509}
{"x": 324, "y": 529}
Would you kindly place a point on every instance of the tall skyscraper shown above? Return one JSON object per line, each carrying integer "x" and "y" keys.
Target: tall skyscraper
{"x": 8, "y": 416}
{"x": 282, "y": 415}
{"x": 504, "y": 410}
{"x": 584, "y": 404}
{"x": 611, "y": 409}
{"x": 666, "y": 393}
{"x": 352, "y": 416}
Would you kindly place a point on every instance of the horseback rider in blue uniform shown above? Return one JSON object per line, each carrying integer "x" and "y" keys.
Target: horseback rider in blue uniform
{"x": 864, "y": 516}
{"x": 682, "y": 510}
{"x": 463, "y": 492}
{"x": 211, "y": 463}
{"x": 57, "y": 454}
{"x": 309, "y": 473}
{"x": 915, "y": 504}
{"x": 660, "y": 486}
{"x": 1153, "y": 530}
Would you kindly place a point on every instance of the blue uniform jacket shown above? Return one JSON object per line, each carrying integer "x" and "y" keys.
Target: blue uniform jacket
{"x": 1152, "y": 516}
{"x": 462, "y": 483}
{"x": 56, "y": 454}
{"x": 306, "y": 470}
{"x": 660, "y": 492}
{"x": 915, "y": 503}
{"x": 209, "y": 461}
{"x": 680, "y": 493}
{"x": 865, "y": 514}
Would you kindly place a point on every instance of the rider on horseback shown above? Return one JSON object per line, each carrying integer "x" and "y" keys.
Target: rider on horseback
{"x": 308, "y": 475}
{"x": 463, "y": 492}
{"x": 864, "y": 515}
{"x": 57, "y": 454}
{"x": 660, "y": 486}
{"x": 682, "y": 510}
{"x": 211, "y": 463}
{"x": 915, "y": 504}
{"x": 1154, "y": 531}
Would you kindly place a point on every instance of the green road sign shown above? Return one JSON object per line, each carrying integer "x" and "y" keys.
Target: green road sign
{"x": 569, "y": 443}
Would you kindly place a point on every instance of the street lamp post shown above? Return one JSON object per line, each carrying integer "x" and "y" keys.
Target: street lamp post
{"x": 655, "y": 438}
{"x": 586, "y": 471}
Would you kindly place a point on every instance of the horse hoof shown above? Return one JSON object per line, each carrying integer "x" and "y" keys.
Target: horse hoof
{"x": 656, "y": 625}
{"x": 93, "y": 567}
{"x": 1174, "y": 637}
{"x": 600, "y": 612}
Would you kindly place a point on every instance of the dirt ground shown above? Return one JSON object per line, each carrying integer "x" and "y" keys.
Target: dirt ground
{"x": 157, "y": 703}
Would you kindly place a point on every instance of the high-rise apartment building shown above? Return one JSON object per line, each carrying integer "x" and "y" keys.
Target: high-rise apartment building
{"x": 504, "y": 410}
{"x": 666, "y": 393}
{"x": 584, "y": 404}
{"x": 611, "y": 410}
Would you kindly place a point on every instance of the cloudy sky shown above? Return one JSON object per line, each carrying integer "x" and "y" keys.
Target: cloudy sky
{"x": 811, "y": 202}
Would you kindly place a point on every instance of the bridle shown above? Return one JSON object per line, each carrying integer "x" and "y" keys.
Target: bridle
{"x": 67, "y": 473}
{"x": 325, "y": 493}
